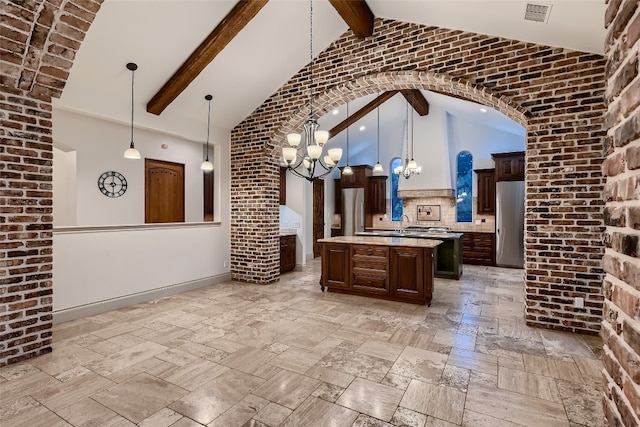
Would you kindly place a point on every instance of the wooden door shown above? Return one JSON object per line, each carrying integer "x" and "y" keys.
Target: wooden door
{"x": 318, "y": 216}
{"x": 335, "y": 265}
{"x": 164, "y": 191}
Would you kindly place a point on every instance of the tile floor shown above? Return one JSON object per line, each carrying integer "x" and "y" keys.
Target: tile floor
{"x": 289, "y": 355}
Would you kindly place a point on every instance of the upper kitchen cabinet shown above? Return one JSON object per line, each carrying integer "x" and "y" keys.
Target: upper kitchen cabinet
{"x": 359, "y": 177}
{"x": 509, "y": 166}
{"x": 376, "y": 195}
{"x": 486, "y": 191}
{"x": 283, "y": 186}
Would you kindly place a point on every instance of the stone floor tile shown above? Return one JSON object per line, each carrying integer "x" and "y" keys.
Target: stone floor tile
{"x": 296, "y": 360}
{"x": 438, "y": 401}
{"x": 379, "y": 401}
{"x": 420, "y": 364}
{"x": 356, "y": 364}
{"x": 408, "y": 418}
{"x": 273, "y": 414}
{"x": 86, "y": 412}
{"x": 163, "y": 418}
{"x": 215, "y": 397}
{"x": 241, "y": 412}
{"x": 473, "y": 361}
{"x": 515, "y": 407}
{"x": 367, "y": 421}
{"x": 287, "y": 389}
{"x": 139, "y": 397}
{"x": 315, "y": 412}
{"x": 328, "y": 392}
{"x": 330, "y": 376}
{"x": 530, "y": 384}
{"x": 381, "y": 349}
{"x": 578, "y": 400}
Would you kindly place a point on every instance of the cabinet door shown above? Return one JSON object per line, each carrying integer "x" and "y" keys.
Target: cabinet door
{"x": 509, "y": 166}
{"x": 337, "y": 197}
{"x": 287, "y": 253}
{"x": 377, "y": 195}
{"x": 335, "y": 265}
{"x": 407, "y": 272}
{"x": 486, "y": 192}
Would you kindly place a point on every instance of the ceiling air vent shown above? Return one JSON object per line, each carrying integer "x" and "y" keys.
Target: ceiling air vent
{"x": 537, "y": 12}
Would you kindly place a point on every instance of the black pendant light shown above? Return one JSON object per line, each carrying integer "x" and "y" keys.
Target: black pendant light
{"x": 207, "y": 166}
{"x": 132, "y": 152}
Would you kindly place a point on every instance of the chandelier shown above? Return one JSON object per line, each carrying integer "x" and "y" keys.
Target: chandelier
{"x": 410, "y": 166}
{"x": 306, "y": 160}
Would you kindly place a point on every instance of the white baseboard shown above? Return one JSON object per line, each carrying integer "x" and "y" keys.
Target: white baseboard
{"x": 98, "y": 307}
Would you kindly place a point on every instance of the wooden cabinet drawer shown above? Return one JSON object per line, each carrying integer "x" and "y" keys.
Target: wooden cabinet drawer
{"x": 370, "y": 283}
{"x": 379, "y": 264}
{"x": 376, "y": 251}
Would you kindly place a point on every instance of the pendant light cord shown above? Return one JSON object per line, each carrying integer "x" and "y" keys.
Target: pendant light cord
{"x": 132, "y": 74}
{"x": 378, "y": 127}
{"x": 311, "y": 58}
{"x": 412, "y": 111}
{"x": 208, "y": 127}
{"x": 347, "y": 133}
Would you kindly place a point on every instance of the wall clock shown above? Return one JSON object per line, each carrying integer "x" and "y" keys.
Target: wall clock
{"x": 112, "y": 184}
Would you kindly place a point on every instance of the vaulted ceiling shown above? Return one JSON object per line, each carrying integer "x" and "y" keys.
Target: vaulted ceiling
{"x": 161, "y": 35}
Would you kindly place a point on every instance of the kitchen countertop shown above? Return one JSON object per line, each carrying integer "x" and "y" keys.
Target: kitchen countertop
{"x": 444, "y": 235}
{"x": 288, "y": 232}
{"x": 383, "y": 241}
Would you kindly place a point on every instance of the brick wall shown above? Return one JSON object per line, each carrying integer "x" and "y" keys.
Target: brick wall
{"x": 555, "y": 93}
{"x": 621, "y": 323}
{"x": 38, "y": 42}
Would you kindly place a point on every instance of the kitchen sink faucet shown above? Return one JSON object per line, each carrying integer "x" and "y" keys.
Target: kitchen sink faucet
{"x": 402, "y": 218}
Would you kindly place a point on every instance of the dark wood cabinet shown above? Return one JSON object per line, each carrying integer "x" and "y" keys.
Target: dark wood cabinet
{"x": 390, "y": 271}
{"x": 479, "y": 248}
{"x": 486, "y": 191}
{"x": 410, "y": 270}
{"x": 359, "y": 177}
{"x": 369, "y": 268}
{"x": 337, "y": 197}
{"x": 335, "y": 265}
{"x": 287, "y": 253}
{"x": 283, "y": 186}
{"x": 376, "y": 195}
{"x": 509, "y": 166}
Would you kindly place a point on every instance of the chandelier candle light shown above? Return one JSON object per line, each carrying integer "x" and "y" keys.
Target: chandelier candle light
{"x": 207, "y": 166}
{"x": 131, "y": 152}
{"x": 314, "y": 139}
{"x": 410, "y": 166}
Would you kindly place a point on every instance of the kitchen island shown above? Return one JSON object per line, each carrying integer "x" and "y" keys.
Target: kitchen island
{"x": 393, "y": 268}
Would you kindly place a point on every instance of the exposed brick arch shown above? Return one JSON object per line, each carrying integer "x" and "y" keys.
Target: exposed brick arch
{"x": 393, "y": 80}
{"x": 39, "y": 41}
{"x": 557, "y": 92}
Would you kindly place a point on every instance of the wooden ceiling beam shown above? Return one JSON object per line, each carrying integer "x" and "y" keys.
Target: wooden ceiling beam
{"x": 417, "y": 101}
{"x": 361, "y": 113}
{"x": 357, "y": 15}
{"x": 241, "y": 14}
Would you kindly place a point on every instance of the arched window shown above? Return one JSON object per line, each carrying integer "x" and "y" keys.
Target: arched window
{"x": 464, "y": 187}
{"x": 396, "y": 202}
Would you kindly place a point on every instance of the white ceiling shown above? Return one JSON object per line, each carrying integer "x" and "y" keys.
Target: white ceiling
{"x": 159, "y": 35}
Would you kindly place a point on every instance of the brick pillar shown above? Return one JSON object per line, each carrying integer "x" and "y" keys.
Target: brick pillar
{"x": 39, "y": 41}
{"x": 621, "y": 324}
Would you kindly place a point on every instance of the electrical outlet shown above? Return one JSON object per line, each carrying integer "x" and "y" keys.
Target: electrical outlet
{"x": 578, "y": 302}
{"x": 225, "y": 263}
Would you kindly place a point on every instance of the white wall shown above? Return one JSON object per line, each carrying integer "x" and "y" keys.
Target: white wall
{"x": 92, "y": 267}
{"x": 431, "y": 151}
{"x": 99, "y": 146}
{"x": 481, "y": 141}
{"x": 64, "y": 187}
{"x": 111, "y": 262}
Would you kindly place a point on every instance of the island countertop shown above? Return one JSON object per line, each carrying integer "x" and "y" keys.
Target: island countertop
{"x": 383, "y": 241}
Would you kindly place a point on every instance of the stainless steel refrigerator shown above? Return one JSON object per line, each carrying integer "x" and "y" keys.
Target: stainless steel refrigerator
{"x": 352, "y": 210}
{"x": 510, "y": 224}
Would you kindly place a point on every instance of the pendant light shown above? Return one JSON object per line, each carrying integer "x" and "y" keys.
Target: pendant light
{"x": 347, "y": 169}
{"x": 410, "y": 167}
{"x": 131, "y": 152}
{"x": 378, "y": 169}
{"x": 207, "y": 166}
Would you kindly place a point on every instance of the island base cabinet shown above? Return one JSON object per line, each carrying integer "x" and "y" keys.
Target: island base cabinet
{"x": 397, "y": 273}
{"x": 411, "y": 273}
{"x": 335, "y": 266}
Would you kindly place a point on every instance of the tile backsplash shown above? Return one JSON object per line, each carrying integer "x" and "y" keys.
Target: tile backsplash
{"x": 487, "y": 223}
